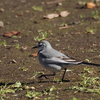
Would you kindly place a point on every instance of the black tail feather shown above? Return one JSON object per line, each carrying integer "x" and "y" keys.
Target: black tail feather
{"x": 86, "y": 63}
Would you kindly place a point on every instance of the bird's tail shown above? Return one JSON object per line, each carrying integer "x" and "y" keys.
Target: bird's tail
{"x": 86, "y": 63}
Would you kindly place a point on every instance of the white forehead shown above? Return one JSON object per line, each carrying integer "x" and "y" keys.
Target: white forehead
{"x": 44, "y": 42}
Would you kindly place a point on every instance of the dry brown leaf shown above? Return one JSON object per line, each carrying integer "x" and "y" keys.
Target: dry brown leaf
{"x": 51, "y": 16}
{"x": 55, "y": 15}
{"x": 64, "y": 13}
{"x": 12, "y": 33}
{"x": 34, "y": 54}
{"x": 90, "y": 5}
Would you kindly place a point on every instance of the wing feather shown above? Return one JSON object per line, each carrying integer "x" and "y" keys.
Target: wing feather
{"x": 62, "y": 60}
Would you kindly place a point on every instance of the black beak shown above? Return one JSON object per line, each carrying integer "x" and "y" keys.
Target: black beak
{"x": 35, "y": 47}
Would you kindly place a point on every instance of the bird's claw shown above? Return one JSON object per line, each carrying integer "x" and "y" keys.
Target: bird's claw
{"x": 43, "y": 76}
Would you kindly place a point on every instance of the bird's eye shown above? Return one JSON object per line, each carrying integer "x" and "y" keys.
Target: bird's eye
{"x": 40, "y": 44}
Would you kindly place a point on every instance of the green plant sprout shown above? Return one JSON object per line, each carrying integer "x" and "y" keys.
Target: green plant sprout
{"x": 17, "y": 46}
{"x": 87, "y": 60}
{"x": 89, "y": 30}
{"x": 95, "y": 14}
{"x": 42, "y": 35}
{"x": 49, "y": 91}
{"x": 57, "y": 79}
{"x": 74, "y": 98}
{"x": 4, "y": 43}
{"x": 32, "y": 94}
{"x": 62, "y": 24}
{"x": 36, "y": 73}
{"x": 37, "y": 8}
{"x": 24, "y": 68}
{"x": 89, "y": 84}
{"x": 5, "y": 89}
{"x": 81, "y": 16}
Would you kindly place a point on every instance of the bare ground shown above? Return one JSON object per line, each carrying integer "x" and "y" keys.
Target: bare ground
{"x": 81, "y": 40}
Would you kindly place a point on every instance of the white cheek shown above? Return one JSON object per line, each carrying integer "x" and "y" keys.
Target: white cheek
{"x": 40, "y": 48}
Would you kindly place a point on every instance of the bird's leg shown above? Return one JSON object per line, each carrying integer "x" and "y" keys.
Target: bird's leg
{"x": 44, "y": 75}
{"x": 63, "y": 75}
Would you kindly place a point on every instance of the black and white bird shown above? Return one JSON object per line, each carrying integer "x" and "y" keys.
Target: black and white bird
{"x": 54, "y": 60}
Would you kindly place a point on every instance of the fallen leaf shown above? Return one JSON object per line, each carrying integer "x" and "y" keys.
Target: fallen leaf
{"x": 12, "y": 33}
{"x": 55, "y": 15}
{"x": 34, "y": 54}
{"x": 90, "y": 5}
{"x": 51, "y": 16}
{"x": 64, "y": 13}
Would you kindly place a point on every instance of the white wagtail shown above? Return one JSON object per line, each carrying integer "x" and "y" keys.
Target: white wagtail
{"x": 54, "y": 60}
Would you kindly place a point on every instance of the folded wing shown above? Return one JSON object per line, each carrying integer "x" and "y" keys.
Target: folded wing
{"x": 61, "y": 60}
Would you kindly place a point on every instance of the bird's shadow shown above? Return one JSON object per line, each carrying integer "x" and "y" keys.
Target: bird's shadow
{"x": 53, "y": 81}
{"x": 8, "y": 84}
{"x": 23, "y": 83}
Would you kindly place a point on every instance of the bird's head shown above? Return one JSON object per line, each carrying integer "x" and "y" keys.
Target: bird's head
{"x": 43, "y": 44}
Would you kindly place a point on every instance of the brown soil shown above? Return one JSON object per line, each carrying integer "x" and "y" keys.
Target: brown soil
{"x": 76, "y": 41}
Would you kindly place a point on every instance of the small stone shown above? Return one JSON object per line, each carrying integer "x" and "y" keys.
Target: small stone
{"x": 15, "y": 41}
{"x": 24, "y": 48}
{"x": 1, "y": 10}
{"x": 59, "y": 4}
{"x": 1, "y": 24}
{"x": 12, "y": 61}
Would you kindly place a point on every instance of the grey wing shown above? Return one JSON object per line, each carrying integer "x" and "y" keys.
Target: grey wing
{"x": 52, "y": 53}
{"x": 53, "y": 56}
{"x": 61, "y": 60}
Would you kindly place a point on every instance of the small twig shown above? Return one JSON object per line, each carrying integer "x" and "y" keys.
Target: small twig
{"x": 52, "y": 2}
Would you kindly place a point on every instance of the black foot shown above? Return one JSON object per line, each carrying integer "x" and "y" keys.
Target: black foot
{"x": 43, "y": 76}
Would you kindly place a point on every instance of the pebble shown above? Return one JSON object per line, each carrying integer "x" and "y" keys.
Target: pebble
{"x": 15, "y": 41}
{"x": 59, "y": 4}
{"x": 1, "y": 10}
{"x": 1, "y": 24}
